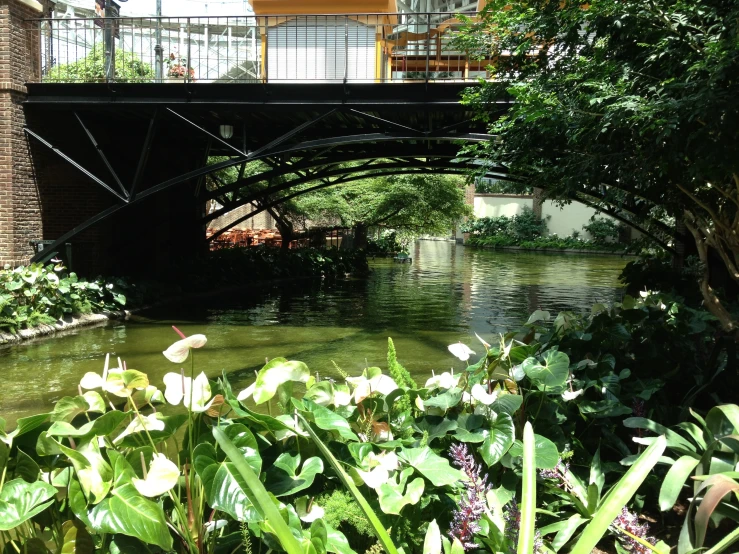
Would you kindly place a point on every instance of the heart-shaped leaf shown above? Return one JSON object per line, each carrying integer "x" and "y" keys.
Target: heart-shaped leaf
{"x": 20, "y": 501}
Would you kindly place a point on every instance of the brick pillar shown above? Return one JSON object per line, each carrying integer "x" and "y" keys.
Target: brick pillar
{"x": 20, "y": 62}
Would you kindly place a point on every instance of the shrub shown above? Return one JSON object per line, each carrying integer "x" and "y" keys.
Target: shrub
{"x": 602, "y": 230}
{"x": 128, "y": 67}
{"x": 38, "y": 294}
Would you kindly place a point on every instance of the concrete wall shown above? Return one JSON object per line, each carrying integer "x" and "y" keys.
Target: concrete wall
{"x": 497, "y": 205}
{"x": 570, "y": 217}
{"x": 560, "y": 221}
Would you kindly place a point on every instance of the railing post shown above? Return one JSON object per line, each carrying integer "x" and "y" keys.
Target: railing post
{"x": 158, "y": 49}
{"x": 188, "y": 77}
{"x": 346, "y": 49}
{"x": 109, "y": 42}
{"x": 428, "y": 44}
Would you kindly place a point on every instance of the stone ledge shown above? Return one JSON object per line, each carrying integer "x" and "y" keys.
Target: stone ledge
{"x": 61, "y": 325}
{"x": 6, "y": 86}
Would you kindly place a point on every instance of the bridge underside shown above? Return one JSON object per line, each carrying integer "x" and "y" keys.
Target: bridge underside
{"x": 120, "y": 168}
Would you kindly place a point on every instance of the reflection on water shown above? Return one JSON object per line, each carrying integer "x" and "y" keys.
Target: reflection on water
{"x": 446, "y": 295}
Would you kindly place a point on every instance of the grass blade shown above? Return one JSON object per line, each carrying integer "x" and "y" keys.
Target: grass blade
{"x": 379, "y": 529}
{"x": 265, "y": 504}
{"x": 618, "y": 496}
{"x": 528, "y": 493}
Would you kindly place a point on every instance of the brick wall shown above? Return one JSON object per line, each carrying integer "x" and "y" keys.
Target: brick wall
{"x": 20, "y": 212}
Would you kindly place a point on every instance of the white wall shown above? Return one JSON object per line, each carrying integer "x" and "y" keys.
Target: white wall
{"x": 498, "y": 205}
{"x": 568, "y": 218}
{"x": 560, "y": 221}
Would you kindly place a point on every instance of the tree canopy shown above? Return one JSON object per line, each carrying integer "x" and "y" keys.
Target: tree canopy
{"x": 632, "y": 101}
{"x": 421, "y": 204}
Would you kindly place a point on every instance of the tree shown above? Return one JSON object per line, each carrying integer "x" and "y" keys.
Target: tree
{"x": 419, "y": 204}
{"x": 633, "y": 101}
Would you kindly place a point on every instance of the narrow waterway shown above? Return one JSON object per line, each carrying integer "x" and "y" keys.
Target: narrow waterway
{"x": 447, "y": 294}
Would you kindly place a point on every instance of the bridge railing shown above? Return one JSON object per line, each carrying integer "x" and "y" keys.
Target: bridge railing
{"x": 256, "y": 49}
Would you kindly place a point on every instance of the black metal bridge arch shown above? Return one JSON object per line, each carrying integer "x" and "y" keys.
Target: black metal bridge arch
{"x": 138, "y": 144}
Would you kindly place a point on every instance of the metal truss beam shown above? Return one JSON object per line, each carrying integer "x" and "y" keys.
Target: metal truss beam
{"x": 379, "y": 169}
{"x": 102, "y": 155}
{"x": 77, "y": 166}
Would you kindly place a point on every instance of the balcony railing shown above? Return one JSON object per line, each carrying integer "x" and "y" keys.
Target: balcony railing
{"x": 257, "y": 49}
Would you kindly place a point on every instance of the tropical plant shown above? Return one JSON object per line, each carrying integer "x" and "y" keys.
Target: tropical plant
{"x": 37, "y": 294}
{"x": 477, "y": 457}
{"x": 708, "y": 451}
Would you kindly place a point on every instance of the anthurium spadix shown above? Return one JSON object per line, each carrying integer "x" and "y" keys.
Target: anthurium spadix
{"x": 161, "y": 477}
{"x": 194, "y": 395}
{"x": 180, "y": 350}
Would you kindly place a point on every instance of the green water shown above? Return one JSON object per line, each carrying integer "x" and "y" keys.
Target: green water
{"x": 446, "y": 295}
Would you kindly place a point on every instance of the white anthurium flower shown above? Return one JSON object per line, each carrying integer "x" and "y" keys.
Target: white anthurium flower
{"x": 419, "y": 404}
{"x": 161, "y": 477}
{"x": 365, "y": 387}
{"x": 481, "y": 395}
{"x": 444, "y": 381}
{"x": 308, "y": 511}
{"x": 179, "y": 351}
{"x": 571, "y": 395}
{"x": 148, "y": 423}
{"x": 247, "y": 392}
{"x": 216, "y": 525}
{"x": 180, "y": 389}
{"x": 485, "y": 344}
{"x": 342, "y": 396}
{"x": 461, "y": 351}
{"x": 111, "y": 380}
{"x": 380, "y": 467}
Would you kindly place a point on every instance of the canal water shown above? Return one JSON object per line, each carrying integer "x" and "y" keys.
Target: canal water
{"x": 446, "y": 295}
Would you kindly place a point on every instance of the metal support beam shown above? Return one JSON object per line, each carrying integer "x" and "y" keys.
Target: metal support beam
{"x": 74, "y": 164}
{"x": 145, "y": 151}
{"x": 102, "y": 155}
{"x": 387, "y": 122}
{"x": 211, "y": 135}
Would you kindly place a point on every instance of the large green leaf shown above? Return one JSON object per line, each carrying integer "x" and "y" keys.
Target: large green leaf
{"x": 25, "y": 467}
{"x": 551, "y": 373}
{"x": 24, "y": 425}
{"x": 432, "y": 466}
{"x": 128, "y": 512}
{"x": 261, "y": 422}
{"x": 283, "y": 477}
{"x": 377, "y": 526}
{"x": 325, "y": 419}
{"x": 94, "y": 473}
{"x": 69, "y": 407}
{"x": 675, "y": 480}
{"x": 225, "y": 489}
{"x": 445, "y": 400}
{"x": 274, "y": 374}
{"x": 547, "y": 455}
{"x": 76, "y": 539}
{"x": 618, "y": 497}
{"x": 432, "y": 541}
{"x": 101, "y": 427}
{"x": 20, "y": 501}
{"x": 393, "y": 495}
{"x": 262, "y": 500}
{"x": 499, "y": 440}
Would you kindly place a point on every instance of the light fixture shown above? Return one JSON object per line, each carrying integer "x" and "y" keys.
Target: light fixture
{"x": 227, "y": 131}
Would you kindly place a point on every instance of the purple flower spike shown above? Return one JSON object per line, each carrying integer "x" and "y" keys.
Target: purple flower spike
{"x": 466, "y": 518}
{"x": 629, "y": 521}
